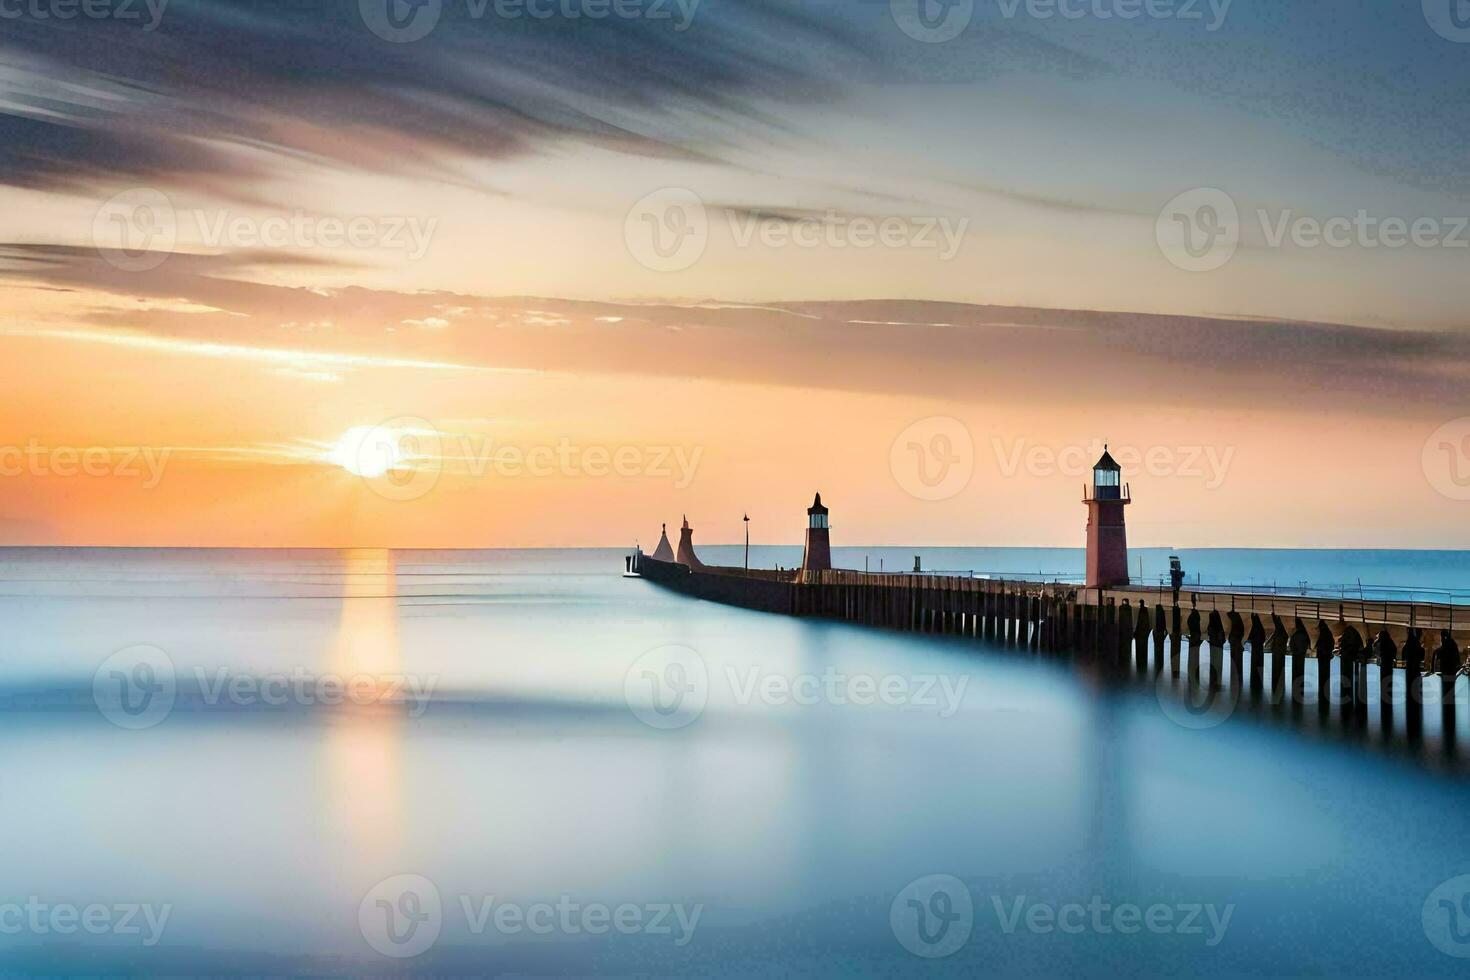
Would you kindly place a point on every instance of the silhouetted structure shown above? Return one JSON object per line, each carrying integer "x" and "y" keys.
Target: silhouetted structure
{"x": 818, "y": 555}
{"x": 664, "y": 551}
{"x": 1107, "y": 538}
{"x": 686, "y": 555}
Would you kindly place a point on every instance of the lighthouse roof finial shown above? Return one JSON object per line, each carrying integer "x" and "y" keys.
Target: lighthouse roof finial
{"x": 816, "y": 507}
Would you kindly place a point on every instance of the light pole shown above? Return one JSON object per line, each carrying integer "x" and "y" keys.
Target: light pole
{"x": 747, "y": 542}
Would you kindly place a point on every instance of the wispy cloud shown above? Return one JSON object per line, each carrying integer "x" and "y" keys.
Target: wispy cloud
{"x": 290, "y": 358}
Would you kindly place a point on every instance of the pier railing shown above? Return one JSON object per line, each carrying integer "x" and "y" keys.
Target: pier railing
{"x": 1312, "y": 609}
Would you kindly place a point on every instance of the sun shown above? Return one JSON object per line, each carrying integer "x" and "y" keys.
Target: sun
{"x": 368, "y": 451}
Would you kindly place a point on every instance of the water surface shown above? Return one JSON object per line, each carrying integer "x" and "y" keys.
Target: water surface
{"x": 526, "y": 777}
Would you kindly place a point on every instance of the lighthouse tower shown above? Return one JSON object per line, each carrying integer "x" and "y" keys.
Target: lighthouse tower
{"x": 664, "y": 551}
{"x": 818, "y": 555}
{"x": 686, "y": 555}
{"x": 1107, "y": 538}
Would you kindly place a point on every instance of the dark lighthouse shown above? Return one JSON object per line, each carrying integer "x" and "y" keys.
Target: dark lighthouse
{"x": 1107, "y": 538}
{"x": 818, "y": 555}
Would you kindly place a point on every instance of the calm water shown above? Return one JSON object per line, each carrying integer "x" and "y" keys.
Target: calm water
{"x": 510, "y": 745}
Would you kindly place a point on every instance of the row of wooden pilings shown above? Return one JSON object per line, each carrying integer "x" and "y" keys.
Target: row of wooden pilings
{"x": 1118, "y": 634}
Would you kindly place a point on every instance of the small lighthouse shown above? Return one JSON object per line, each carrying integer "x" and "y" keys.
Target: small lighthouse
{"x": 664, "y": 551}
{"x": 1107, "y": 537}
{"x": 818, "y": 556}
{"x": 686, "y": 555}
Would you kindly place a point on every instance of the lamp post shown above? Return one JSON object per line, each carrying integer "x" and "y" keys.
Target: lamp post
{"x": 747, "y": 542}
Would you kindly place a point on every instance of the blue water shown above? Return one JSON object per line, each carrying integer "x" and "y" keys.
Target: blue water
{"x": 539, "y": 772}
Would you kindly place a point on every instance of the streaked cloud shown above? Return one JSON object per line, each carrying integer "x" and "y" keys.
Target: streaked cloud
{"x": 292, "y": 359}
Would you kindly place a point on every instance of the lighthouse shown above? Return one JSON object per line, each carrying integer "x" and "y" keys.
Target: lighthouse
{"x": 664, "y": 551}
{"x": 818, "y": 556}
{"x": 1107, "y": 538}
{"x": 686, "y": 555}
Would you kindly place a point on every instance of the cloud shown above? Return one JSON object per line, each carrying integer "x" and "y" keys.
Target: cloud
{"x": 941, "y": 350}
{"x": 222, "y": 93}
{"x": 292, "y": 359}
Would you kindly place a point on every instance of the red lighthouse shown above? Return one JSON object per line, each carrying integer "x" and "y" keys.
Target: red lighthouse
{"x": 818, "y": 555}
{"x": 1107, "y": 537}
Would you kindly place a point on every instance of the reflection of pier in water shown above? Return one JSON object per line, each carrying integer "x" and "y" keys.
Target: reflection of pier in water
{"x": 1377, "y": 668}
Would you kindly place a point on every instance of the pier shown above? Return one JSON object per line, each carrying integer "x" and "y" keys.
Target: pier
{"x": 1141, "y": 623}
{"x": 1270, "y": 644}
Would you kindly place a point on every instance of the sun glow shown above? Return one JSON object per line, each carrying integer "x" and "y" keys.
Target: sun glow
{"x": 368, "y": 450}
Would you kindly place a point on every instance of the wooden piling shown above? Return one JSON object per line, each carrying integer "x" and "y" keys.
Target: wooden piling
{"x": 1325, "y": 645}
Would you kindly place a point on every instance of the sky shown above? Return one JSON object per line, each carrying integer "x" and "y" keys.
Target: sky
{"x": 444, "y": 273}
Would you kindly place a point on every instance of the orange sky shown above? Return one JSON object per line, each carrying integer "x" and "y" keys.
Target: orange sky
{"x": 245, "y": 445}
